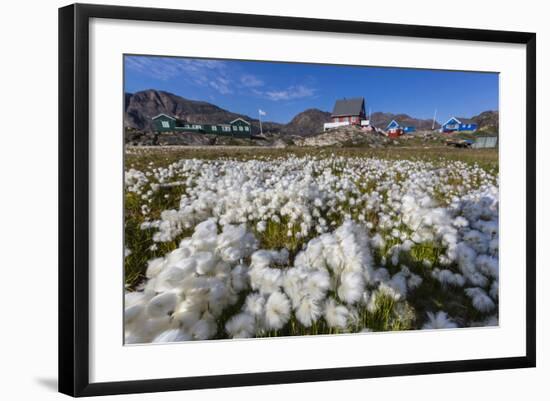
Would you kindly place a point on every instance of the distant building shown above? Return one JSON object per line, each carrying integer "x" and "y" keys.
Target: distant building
{"x": 479, "y": 142}
{"x": 485, "y": 142}
{"x": 397, "y": 129}
{"x": 456, "y": 125}
{"x": 348, "y": 112}
{"x": 238, "y": 127}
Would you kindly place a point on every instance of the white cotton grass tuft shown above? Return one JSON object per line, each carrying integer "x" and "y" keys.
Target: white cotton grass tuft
{"x": 132, "y": 312}
{"x": 241, "y": 325}
{"x": 414, "y": 281}
{"x": 308, "y": 311}
{"x": 154, "y": 267}
{"x": 277, "y": 311}
{"x": 336, "y": 315}
{"x": 255, "y": 304}
{"x": 261, "y": 226}
{"x": 135, "y": 304}
{"x": 380, "y": 275}
{"x": 187, "y": 314}
{"x": 351, "y": 287}
{"x": 448, "y": 278}
{"x": 439, "y": 320}
{"x": 171, "y": 336}
{"x": 316, "y": 284}
{"x": 147, "y": 329}
{"x": 162, "y": 304}
{"x": 205, "y": 262}
{"x": 480, "y": 300}
{"x": 239, "y": 277}
{"x": 205, "y": 328}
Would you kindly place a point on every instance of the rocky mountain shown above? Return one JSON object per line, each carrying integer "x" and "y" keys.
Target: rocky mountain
{"x": 381, "y": 120}
{"x": 487, "y": 121}
{"x": 308, "y": 122}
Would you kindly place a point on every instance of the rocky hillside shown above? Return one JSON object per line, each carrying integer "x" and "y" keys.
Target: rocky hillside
{"x": 381, "y": 120}
{"x": 141, "y": 138}
{"x": 308, "y": 122}
{"x": 345, "y": 136}
{"x": 487, "y": 121}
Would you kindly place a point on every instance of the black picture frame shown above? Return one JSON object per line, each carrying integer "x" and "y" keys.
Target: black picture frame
{"x": 74, "y": 198}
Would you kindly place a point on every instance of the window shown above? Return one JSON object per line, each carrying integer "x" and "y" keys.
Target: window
{"x": 214, "y": 128}
{"x": 226, "y": 128}
{"x": 246, "y": 128}
{"x": 234, "y": 128}
{"x": 197, "y": 126}
{"x": 165, "y": 124}
{"x": 241, "y": 128}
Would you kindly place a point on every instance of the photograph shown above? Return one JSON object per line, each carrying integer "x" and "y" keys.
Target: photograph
{"x": 272, "y": 199}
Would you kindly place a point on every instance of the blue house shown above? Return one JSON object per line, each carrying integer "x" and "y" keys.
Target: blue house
{"x": 394, "y": 126}
{"x": 455, "y": 124}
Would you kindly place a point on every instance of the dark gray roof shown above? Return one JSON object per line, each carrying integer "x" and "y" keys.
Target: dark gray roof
{"x": 348, "y": 107}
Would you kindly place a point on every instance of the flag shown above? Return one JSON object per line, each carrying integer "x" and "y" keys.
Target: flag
{"x": 261, "y": 112}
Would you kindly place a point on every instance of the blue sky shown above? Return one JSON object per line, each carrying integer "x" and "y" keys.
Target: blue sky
{"x": 285, "y": 89}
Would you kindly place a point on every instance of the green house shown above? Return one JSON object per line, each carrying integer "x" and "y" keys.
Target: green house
{"x": 240, "y": 127}
{"x": 237, "y": 128}
{"x": 164, "y": 123}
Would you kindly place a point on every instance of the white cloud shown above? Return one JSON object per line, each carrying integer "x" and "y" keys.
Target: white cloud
{"x": 222, "y": 85}
{"x": 221, "y": 76}
{"x": 251, "y": 81}
{"x": 165, "y": 68}
{"x": 212, "y": 73}
{"x": 292, "y": 92}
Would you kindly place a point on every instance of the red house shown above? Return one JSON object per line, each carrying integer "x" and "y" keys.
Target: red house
{"x": 351, "y": 111}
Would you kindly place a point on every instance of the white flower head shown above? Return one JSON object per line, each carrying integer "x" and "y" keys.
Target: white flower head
{"x": 255, "y": 304}
{"x": 277, "y": 311}
{"x": 162, "y": 305}
{"x": 241, "y": 325}
{"x": 439, "y": 320}
{"x": 172, "y": 336}
{"x": 352, "y": 285}
{"x": 336, "y": 315}
{"x": 308, "y": 311}
{"x": 205, "y": 328}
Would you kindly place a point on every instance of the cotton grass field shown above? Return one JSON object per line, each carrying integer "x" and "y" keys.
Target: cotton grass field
{"x": 260, "y": 242}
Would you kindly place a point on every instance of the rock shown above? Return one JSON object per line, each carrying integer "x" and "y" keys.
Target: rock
{"x": 345, "y": 136}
